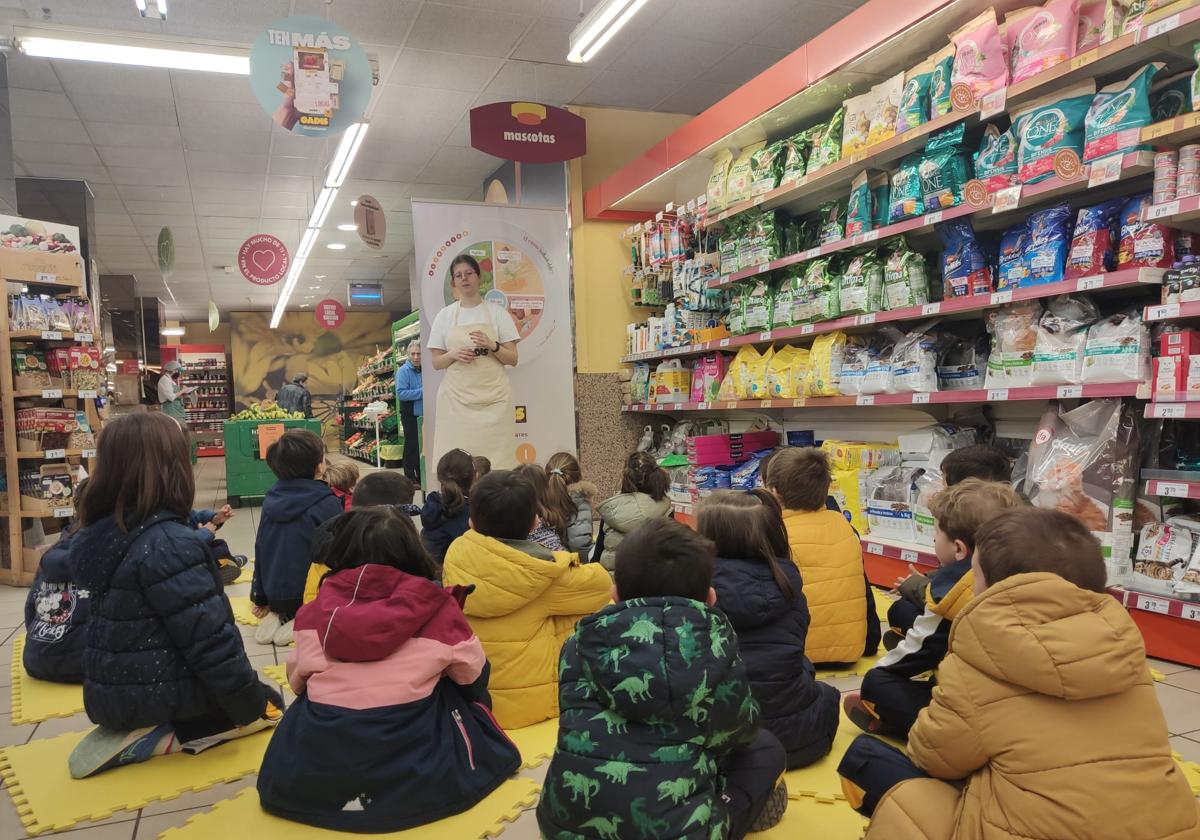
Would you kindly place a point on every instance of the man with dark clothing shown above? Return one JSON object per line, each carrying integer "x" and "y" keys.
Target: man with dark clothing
{"x": 294, "y": 396}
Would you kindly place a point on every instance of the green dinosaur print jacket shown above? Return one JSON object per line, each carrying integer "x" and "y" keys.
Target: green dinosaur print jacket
{"x": 653, "y": 697}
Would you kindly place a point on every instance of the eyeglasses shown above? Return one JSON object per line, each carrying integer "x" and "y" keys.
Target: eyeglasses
{"x": 464, "y": 275}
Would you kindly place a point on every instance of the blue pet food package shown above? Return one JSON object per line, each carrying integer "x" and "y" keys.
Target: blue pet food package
{"x": 1094, "y": 243}
{"x": 996, "y": 160}
{"x": 906, "y": 199}
{"x": 914, "y": 99}
{"x": 1116, "y": 111}
{"x": 1143, "y": 244}
{"x": 944, "y": 170}
{"x": 1049, "y": 241}
{"x": 1048, "y": 126}
{"x": 939, "y": 82}
{"x": 859, "y": 209}
{"x": 1011, "y": 271}
{"x": 965, "y": 269}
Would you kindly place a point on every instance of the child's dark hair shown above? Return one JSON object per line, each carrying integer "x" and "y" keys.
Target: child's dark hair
{"x": 976, "y": 461}
{"x": 748, "y": 526}
{"x": 661, "y": 558}
{"x": 455, "y": 474}
{"x": 483, "y": 466}
{"x": 801, "y": 477}
{"x": 376, "y": 535}
{"x": 296, "y": 455}
{"x": 383, "y": 488}
{"x": 503, "y": 505}
{"x": 1030, "y": 539}
{"x": 644, "y": 475}
{"x": 562, "y": 470}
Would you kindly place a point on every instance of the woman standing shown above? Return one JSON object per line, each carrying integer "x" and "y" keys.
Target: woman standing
{"x": 473, "y": 340}
{"x": 408, "y": 394}
{"x": 170, "y": 394}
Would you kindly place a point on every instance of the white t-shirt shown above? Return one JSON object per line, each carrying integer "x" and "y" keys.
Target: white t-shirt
{"x": 456, "y": 315}
{"x": 168, "y": 391}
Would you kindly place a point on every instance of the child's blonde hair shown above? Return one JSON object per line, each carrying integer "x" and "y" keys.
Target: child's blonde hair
{"x": 341, "y": 474}
{"x": 961, "y": 510}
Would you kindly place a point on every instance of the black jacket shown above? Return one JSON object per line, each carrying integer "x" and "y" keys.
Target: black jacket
{"x": 439, "y": 529}
{"x": 161, "y": 642}
{"x": 292, "y": 511}
{"x": 798, "y": 709}
{"x": 56, "y": 614}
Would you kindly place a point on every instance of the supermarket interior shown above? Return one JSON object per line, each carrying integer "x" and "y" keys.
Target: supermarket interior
{"x": 819, "y": 307}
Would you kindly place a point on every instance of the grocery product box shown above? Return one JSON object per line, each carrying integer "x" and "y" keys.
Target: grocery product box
{"x": 1182, "y": 343}
{"x": 32, "y": 251}
{"x": 710, "y": 334}
{"x": 1171, "y": 374}
{"x": 716, "y": 450}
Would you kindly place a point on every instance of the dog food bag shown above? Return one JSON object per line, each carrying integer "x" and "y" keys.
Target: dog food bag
{"x": 944, "y": 170}
{"x": 965, "y": 269}
{"x": 833, "y": 222}
{"x": 861, "y": 289}
{"x": 766, "y": 168}
{"x": 979, "y": 55}
{"x": 1042, "y": 37}
{"x": 781, "y": 383}
{"x": 795, "y": 156}
{"x": 1044, "y": 128}
{"x": 996, "y": 160}
{"x": 860, "y": 208}
{"x": 1094, "y": 245}
{"x": 825, "y": 365}
{"x": 905, "y": 280}
{"x": 914, "y": 363}
{"x": 1061, "y": 336}
{"x": 826, "y": 142}
{"x": 857, "y": 123}
{"x": 1012, "y": 269}
{"x": 1014, "y": 336}
{"x": 906, "y": 199}
{"x": 1114, "y": 110}
{"x": 1171, "y": 97}
{"x": 939, "y": 82}
{"x": 1049, "y": 239}
{"x": 914, "y": 98}
{"x": 741, "y": 175}
{"x": 962, "y": 363}
{"x": 736, "y": 385}
{"x": 718, "y": 180}
{"x": 885, "y": 112}
{"x": 1117, "y": 349}
{"x": 1143, "y": 244}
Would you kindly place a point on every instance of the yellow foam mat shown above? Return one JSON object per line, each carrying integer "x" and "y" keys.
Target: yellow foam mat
{"x": 247, "y": 574}
{"x": 804, "y": 818}
{"x": 241, "y": 610}
{"x": 242, "y": 816}
{"x": 48, "y": 799}
{"x": 536, "y": 742}
{"x": 37, "y": 700}
{"x": 277, "y": 673}
{"x": 820, "y": 782}
{"x": 1191, "y": 772}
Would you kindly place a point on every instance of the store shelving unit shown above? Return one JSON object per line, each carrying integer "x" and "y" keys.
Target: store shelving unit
{"x": 376, "y": 382}
{"x": 205, "y": 368}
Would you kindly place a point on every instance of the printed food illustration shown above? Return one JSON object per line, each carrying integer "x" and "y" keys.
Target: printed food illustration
{"x": 508, "y": 278}
{"x": 32, "y": 236}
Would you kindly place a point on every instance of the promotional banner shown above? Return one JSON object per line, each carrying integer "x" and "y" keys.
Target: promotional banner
{"x": 528, "y": 131}
{"x": 523, "y": 277}
{"x": 263, "y": 259}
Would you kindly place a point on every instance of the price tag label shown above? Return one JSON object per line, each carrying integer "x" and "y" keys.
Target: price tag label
{"x": 798, "y": 403}
{"x": 1159, "y": 27}
{"x": 810, "y": 254}
{"x": 759, "y": 199}
{"x": 1085, "y": 284}
{"x": 908, "y": 555}
{"x": 870, "y": 236}
{"x": 52, "y": 335}
{"x": 660, "y": 407}
{"x": 88, "y": 453}
{"x": 1105, "y": 171}
{"x": 702, "y": 406}
{"x": 997, "y": 394}
{"x": 1086, "y": 58}
{"x": 931, "y": 308}
{"x": 1172, "y": 489}
{"x": 764, "y": 336}
{"x": 51, "y": 393}
{"x": 1154, "y": 605}
{"x": 932, "y": 218}
{"x": 1069, "y": 392}
{"x": 724, "y": 342}
{"x": 1163, "y": 312}
{"x": 1168, "y": 411}
{"x": 764, "y": 267}
{"x": 993, "y": 103}
{"x": 920, "y": 399}
{"x": 1001, "y": 297}
{"x": 46, "y": 277}
{"x": 56, "y": 453}
{"x": 84, "y": 338}
{"x": 865, "y": 399}
{"x": 767, "y": 404}
{"x": 875, "y": 548}
{"x": 807, "y": 329}
{"x": 730, "y": 406}
{"x": 85, "y": 394}
{"x": 1006, "y": 199}
{"x": 1190, "y": 613}
{"x": 64, "y": 513}
{"x": 864, "y": 320}
{"x": 1161, "y": 211}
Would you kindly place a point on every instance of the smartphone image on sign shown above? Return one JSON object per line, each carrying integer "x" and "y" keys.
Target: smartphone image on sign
{"x": 312, "y": 84}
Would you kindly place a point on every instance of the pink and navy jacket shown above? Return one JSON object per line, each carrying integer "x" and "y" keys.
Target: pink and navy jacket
{"x": 393, "y": 725}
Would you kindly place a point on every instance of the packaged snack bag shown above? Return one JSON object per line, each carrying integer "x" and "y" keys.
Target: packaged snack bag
{"x": 760, "y": 299}
{"x": 1012, "y": 269}
{"x": 766, "y": 168}
{"x": 1143, "y": 244}
{"x": 906, "y": 199}
{"x": 944, "y": 170}
{"x": 914, "y": 98}
{"x": 718, "y": 180}
{"x": 825, "y": 365}
{"x": 979, "y": 55}
{"x": 862, "y": 284}
{"x": 1049, "y": 239}
{"x": 860, "y": 209}
{"x": 886, "y": 109}
{"x": 1042, "y": 37}
{"x": 965, "y": 269}
{"x": 1094, "y": 245}
{"x": 996, "y": 160}
{"x": 1117, "y": 349}
{"x": 756, "y": 376}
{"x": 741, "y": 175}
{"x": 906, "y": 282}
{"x": 1046, "y": 127}
{"x": 962, "y": 363}
{"x": 795, "y": 156}
{"x": 1014, "y": 334}
{"x": 1171, "y": 97}
{"x": 826, "y": 142}
{"x": 1115, "y": 109}
{"x": 857, "y": 128}
{"x": 1061, "y": 336}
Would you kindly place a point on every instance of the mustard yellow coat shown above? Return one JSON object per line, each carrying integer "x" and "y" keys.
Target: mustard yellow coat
{"x": 523, "y": 609}
{"x": 1046, "y": 719}
{"x": 829, "y": 556}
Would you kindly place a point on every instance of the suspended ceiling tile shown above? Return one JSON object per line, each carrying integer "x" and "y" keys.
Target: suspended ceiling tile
{"x": 234, "y": 117}
{"x": 419, "y": 104}
{"x": 210, "y": 195}
{"x": 45, "y": 130}
{"x": 31, "y": 73}
{"x": 226, "y": 142}
{"x": 473, "y": 31}
{"x": 625, "y": 90}
{"x": 568, "y": 9}
{"x": 200, "y": 163}
{"x": 547, "y": 42}
{"x": 694, "y": 97}
{"x": 742, "y": 64}
{"x": 152, "y": 158}
{"x": 56, "y": 153}
{"x": 134, "y": 136}
{"x": 551, "y": 83}
{"x": 450, "y": 71}
{"x": 83, "y": 78}
{"x": 148, "y": 177}
{"x": 720, "y": 21}
{"x": 195, "y": 86}
{"x": 297, "y": 166}
{"x": 33, "y": 103}
{"x": 669, "y": 56}
{"x": 133, "y": 109}
{"x": 372, "y": 21}
{"x": 286, "y": 143}
{"x": 131, "y": 192}
{"x": 393, "y": 130}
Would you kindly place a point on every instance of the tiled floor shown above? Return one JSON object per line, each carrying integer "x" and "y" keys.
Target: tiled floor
{"x": 1179, "y": 694}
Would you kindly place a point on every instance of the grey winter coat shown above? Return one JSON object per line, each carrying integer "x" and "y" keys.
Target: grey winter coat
{"x": 579, "y": 529}
{"x": 621, "y": 515}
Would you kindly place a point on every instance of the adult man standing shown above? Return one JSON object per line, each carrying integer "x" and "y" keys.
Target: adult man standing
{"x": 408, "y": 394}
{"x": 294, "y": 396}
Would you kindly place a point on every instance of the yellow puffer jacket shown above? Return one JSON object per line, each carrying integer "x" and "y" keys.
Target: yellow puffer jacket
{"x": 829, "y": 556}
{"x": 523, "y": 608}
{"x": 1045, "y": 707}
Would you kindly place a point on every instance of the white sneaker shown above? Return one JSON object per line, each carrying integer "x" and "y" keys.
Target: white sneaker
{"x": 283, "y": 636}
{"x": 267, "y": 628}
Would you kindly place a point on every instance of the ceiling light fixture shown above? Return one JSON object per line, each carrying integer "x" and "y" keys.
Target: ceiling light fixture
{"x": 141, "y": 6}
{"x": 343, "y": 158}
{"x": 127, "y": 53}
{"x": 336, "y": 246}
{"x": 348, "y": 227}
{"x": 598, "y": 28}
{"x": 354, "y": 203}
{"x": 171, "y": 331}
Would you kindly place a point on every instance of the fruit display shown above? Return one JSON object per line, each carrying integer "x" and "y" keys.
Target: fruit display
{"x": 32, "y": 236}
{"x": 267, "y": 411}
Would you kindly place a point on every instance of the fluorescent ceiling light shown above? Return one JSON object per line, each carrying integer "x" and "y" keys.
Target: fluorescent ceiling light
{"x": 348, "y": 227}
{"x": 354, "y": 203}
{"x": 322, "y": 207}
{"x": 598, "y": 28}
{"x": 343, "y": 158}
{"x": 171, "y": 331}
{"x": 141, "y": 6}
{"x": 162, "y": 8}
{"x": 125, "y": 53}
{"x": 336, "y": 246}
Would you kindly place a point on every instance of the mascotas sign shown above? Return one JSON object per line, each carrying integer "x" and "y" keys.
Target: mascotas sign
{"x": 528, "y": 132}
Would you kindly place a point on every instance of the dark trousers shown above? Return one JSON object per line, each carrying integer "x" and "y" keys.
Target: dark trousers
{"x": 874, "y": 630}
{"x": 221, "y": 550}
{"x": 412, "y": 449}
{"x": 896, "y": 698}
{"x": 874, "y": 768}
{"x": 902, "y": 614}
{"x": 751, "y": 774}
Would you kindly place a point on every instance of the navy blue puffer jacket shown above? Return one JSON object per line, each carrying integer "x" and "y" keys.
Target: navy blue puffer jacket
{"x": 56, "y": 614}
{"x": 799, "y": 710}
{"x": 161, "y": 642}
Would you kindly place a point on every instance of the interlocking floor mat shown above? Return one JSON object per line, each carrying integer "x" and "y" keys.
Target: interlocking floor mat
{"x": 247, "y": 574}
{"x": 536, "y": 742}
{"x": 807, "y": 819}
{"x": 241, "y": 610}
{"x": 242, "y": 816}
{"x": 1191, "y": 771}
{"x": 820, "y": 782}
{"x": 48, "y": 799}
{"x": 858, "y": 669}
{"x": 37, "y": 700}
{"x": 277, "y": 673}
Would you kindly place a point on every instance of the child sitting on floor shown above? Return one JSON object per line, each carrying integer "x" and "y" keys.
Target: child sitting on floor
{"x": 291, "y": 511}
{"x": 342, "y": 476}
{"x": 643, "y": 496}
{"x": 828, "y": 554}
{"x": 56, "y": 613}
{"x": 391, "y": 728}
{"x": 1045, "y": 721}
{"x": 659, "y": 734}
{"x": 760, "y": 591}
{"x": 483, "y": 466}
{"x": 526, "y": 599}
{"x": 569, "y": 502}
{"x": 543, "y": 534}
{"x": 447, "y": 512}
{"x": 896, "y": 689}
{"x": 207, "y": 523}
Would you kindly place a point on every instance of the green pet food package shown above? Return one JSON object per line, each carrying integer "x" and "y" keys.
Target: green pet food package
{"x": 996, "y": 160}
{"x": 789, "y": 299}
{"x": 861, "y": 288}
{"x": 914, "y": 99}
{"x": 766, "y": 168}
{"x": 1045, "y": 128}
{"x": 1115, "y": 110}
{"x": 718, "y": 180}
{"x": 826, "y": 143}
{"x": 833, "y": 222}
{"x": 795, "y": 156}
{"x": 906, "y": 199}
{"x": 1172, "y": 97}
{"x": 736, "y": 322}
{"x": 820, "y": 291}
{"x": 905, "y": 281}
{"x": 939, "y": 82}
{"x": 859, "y": 209}
{"x": 944, "y": 170}
{"x": 760, "y": 299}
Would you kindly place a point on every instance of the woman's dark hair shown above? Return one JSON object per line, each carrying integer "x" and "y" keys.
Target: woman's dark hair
{"x": 143, "y": 466}
{"x": 748, "y": 526}
{"x": 377, "y": 535}
{"x": 455, "y": 473}
{"x": 644, "y": 475}
{"x": 562, "y": 470}
{"x": 466, "y": 259}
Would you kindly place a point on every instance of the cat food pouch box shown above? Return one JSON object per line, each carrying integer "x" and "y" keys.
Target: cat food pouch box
{"x": 1115, "y": 110}
{"x": 1048, "y": 126}
{"x": 1041, "y": 37}
{"x": 979, "y": 59}
{"x": 914, "y": 98}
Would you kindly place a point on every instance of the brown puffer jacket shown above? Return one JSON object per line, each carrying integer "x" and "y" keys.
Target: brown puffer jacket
{"x": 1045, "y": 708}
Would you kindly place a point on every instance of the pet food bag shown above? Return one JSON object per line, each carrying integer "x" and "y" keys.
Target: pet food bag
{"x": 760, "y": 300}
{"x": 1049, "y": 126}
{"x": 1163, "y": 554}
{"x": 927, "y": 483}
{"x": 881, "y": 191}
{"x": 1014, "y": 335}
{"x": 1049, "y": 239}
{"x": 1171, "y": 97}
{"x": 736, "y": 384}
{"x": 861, "y": 288}
{"x": 1188, "y": 586}
{"x": 784, "y": 381}
{"x": 879, "y": 368}
{"x": 1136, "y": 11}
{"x": 741, "y": 175}
{"x": 979, "y": 56}
{"x": 1061, "y": 336}
{"x": 789, "y": 296}
{"x": 962, "y": 364}
{"x": 857, "y": 123}
{"x": 905, "y": 280}
{"x": 889, "y": 504}
{"x": 855, "y": 360}
{"x": 756, "y": 376}
{"x": 1011, "y": 268}
{"x": 860, "y": 207}
{"x": 914, "y": 98}
{"x": 965, "y": 269}
{"x": 833, "y": 222}
{"x": 1095, "y": 24}
{"x": 996, "y": 160}
{"x": 825, "y": 365}
{"x": 944, "y": 170}
{"x": 707, "y": 375}
{"x": 848, "y": 490}
{"x": 718, "y": 181}
{"x": 826, "y": 143}
{"x": 766, "y": 168}
{"x": 1117, "y": 349}
{"x": 914, "y": 364}
{"x": 1094, "y": 245}
{"x": 639, "y": 383}
{"x": 1115, "y": 110}
{"x": 1143, "y": 244}
{"x": 885, "y": 109}
{"x": 1042, "y": 37}
{"x": 795, "y": 156}
{"x": 906, "y": 199}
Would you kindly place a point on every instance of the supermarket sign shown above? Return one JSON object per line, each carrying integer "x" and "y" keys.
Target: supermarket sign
{"x": 528, "y": 132}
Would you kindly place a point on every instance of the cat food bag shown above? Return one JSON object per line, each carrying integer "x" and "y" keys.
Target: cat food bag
{"x": 996, "y": 160}
{"x": 1042, "y": 37}
{"x": 1117, "y": 349}
{"x": 766, "y": 168}
{"x": 1136, "y": 11}
{"x": 781, "y": 376}
{"x": 855, "y": 360}
{"x": 1094, "y": 244}
{"x": 881, "y": 192}
{"x": 962, "y": 363}
{"x": 861, "y": 288}
{"x": 795, "y": 156}
{"x": 905, "y": 280}
{"x": 857, "y": 125}
{"x": 965, "y": 269}
{"x": 944, "y": 170}
{"x": 760, "y": 299}
{"x": 1188, "y": 586}
{"x": 736, "y": 384}
{"x": 826, "y": 143}
{"x": 1099, "y": 23}
{"x": 979, "y": 55}
{"x": 939, "y": 82}
{"x": 914, "y": 364}
{"x": 1012, "y": 269}
{"x": 1171, "y": 97}
{"x": 879, "y": 368}
{"x": 1014, "y": 335}
{"x": 1061, "y": 336}
{"x": 756, "y": 376}
{"x": 860, "y": 208}
{"x": 718, "y": 180}
{"x": 885, "y": 109}
{"x": 788, "y": 294}
{"x": 1045, "y": 128}
{"x": 741, "y": 175}
{"x": 707, "y": 375}
{"x": 1049, "y": 240}
{"x": 906, "y": 199}
{"x": 825, "y": 365}
{"x": 914, "y": 98}
{"x": 1143, "y": 244}
{"x": 889, "y": 503}
{"x": 833, "y": 222}
{"x": 821, "y": 298}
{"x": 1163, "y": 554}
{"x": 1114, "y": 110}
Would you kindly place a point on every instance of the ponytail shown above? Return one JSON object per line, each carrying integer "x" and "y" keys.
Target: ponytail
{"x": 562, "y": 470}
{"x": 455, "y": 473}
{"x": 644, "y": 475}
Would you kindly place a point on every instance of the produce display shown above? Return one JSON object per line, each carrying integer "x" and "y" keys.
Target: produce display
{"x": 266, "y": 411}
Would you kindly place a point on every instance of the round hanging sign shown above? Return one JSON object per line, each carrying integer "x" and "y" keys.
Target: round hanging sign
{"x": 371, "y": 221}
{"x": 263, "y": 259}
{"x": 330, "y": 314}
{"x": 166, "y": 250}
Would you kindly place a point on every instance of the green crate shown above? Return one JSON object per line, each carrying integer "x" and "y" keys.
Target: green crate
{"x": 246, "y": 475}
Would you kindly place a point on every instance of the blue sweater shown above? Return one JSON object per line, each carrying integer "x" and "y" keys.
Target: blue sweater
{"x": 408, "y": 387}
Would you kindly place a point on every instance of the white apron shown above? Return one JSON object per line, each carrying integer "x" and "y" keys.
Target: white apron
{"x": 474, "y": 404}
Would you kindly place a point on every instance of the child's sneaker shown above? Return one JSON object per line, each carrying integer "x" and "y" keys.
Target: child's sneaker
{"x": 772, "y": 813}
{"x": 283, "y": 636}
{"x": 860, "y": 712}
{"x": 890, "y": 639}
{"x": 240, "y": 560}
{"x": 265, "y": 632}
{"x": 269, "y": 718}
{"x": 103, "y": 749}
{"x": 229, "y": 573}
